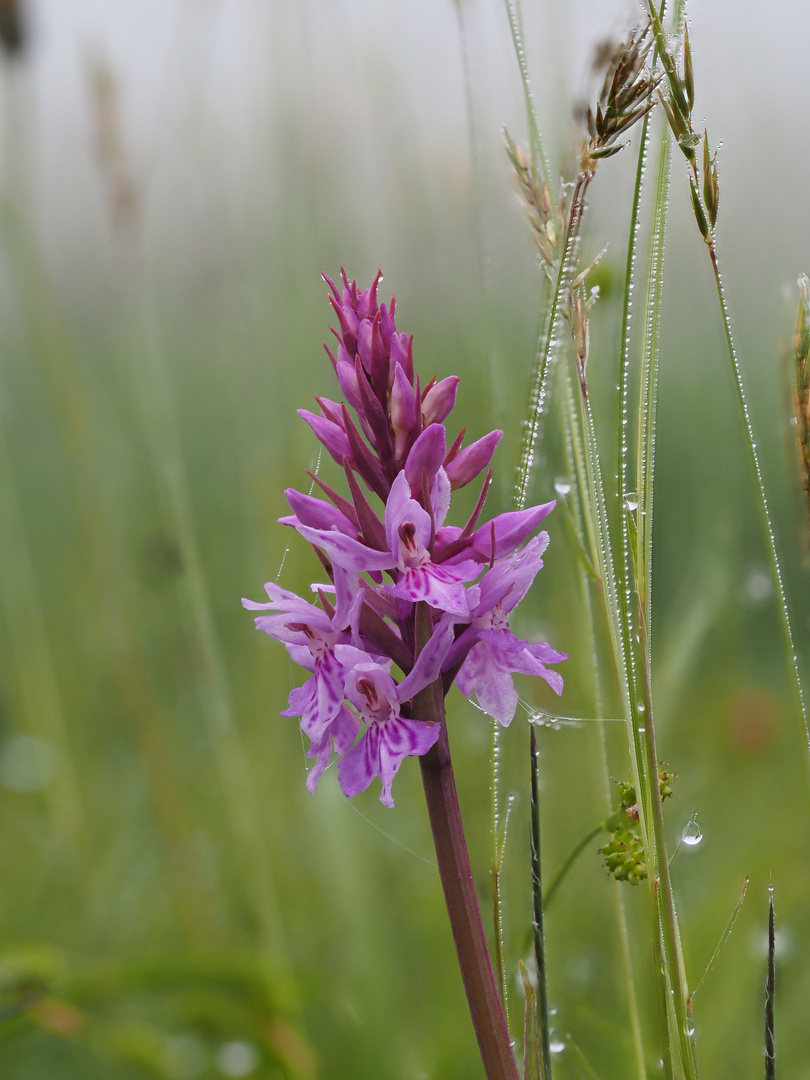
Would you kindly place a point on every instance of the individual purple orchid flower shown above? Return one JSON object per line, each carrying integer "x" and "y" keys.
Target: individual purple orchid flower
{"x": 389, "y": 737}
{"x": 409, "y": 528}
{"x": 491, "y": 652}
{"x": 310, "y": 637}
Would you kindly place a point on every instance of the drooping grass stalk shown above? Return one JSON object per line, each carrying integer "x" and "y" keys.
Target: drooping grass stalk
{"x": 705, "y": 203}
{"x": 765, "y": 513}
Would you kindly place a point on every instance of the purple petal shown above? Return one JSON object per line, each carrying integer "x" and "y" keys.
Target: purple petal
{"x": 340, "y": 735}
{"x": 346, "y": 552}
{"x": 509, "y": 531}
{"x": 401, "y": 508}
{"x": 361, "y": 764}
{"x": 429, "y": 661}
{"x": 491, "y": 679}
{"x": 316, "y": 513}
{"x": 437, "y": 586}
{"x": 400, "y": 739}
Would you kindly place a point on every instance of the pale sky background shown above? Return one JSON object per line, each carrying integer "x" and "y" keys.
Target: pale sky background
{"x": 208, "y": 87}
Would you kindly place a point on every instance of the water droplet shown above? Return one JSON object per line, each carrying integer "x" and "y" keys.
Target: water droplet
{"x": 237, "y": 1058}
{"x": 690, "y": 1028}
{"x": 640, "y": 707}
{"x": 27, "y": 763}
{"x": 556, "y": 1045}
{"x": 562, "y": 485}
{"x": 692, "y": 834}
{"x": 631, "y": 499}
{"x": 758, "y": 585}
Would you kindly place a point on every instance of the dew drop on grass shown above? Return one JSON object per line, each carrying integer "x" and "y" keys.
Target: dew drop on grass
{"x": 562, "y": 485}
{"x": 557, "y": 1045}
{"x": 631, "y": 499}
{"x": 692, "y": 833}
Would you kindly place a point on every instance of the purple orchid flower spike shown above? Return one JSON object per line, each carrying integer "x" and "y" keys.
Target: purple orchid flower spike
{"x": 412, "y": 603}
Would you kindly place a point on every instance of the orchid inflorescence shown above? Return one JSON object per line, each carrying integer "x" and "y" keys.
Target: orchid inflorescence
{"x": 462, "y": 582}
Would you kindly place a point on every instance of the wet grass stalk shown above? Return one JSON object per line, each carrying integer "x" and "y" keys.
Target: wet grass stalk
{"x": 582, "y": 516}
{"x": 537, "y": 920}
{"x": 770, "y": 988}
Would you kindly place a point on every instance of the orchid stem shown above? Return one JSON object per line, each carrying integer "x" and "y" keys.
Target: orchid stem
{"x": 463, "y": 911}
{"x": 457, "y": 882}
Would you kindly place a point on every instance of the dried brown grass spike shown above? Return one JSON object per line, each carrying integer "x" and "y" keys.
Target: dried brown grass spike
{"x": 626, "y": 96}
{"x": 537, "y": 203}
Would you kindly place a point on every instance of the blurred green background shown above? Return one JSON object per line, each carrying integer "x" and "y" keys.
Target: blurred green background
{"x": 173, "y": 179}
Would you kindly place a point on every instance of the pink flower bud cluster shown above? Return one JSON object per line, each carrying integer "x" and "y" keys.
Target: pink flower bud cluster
{"x": 382, "y": 563}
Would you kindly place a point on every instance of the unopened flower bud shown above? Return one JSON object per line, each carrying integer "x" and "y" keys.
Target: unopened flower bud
{"x": 439, "y": 400}
{"x": 403, "y": 411}
{"x": 472, "y": 460}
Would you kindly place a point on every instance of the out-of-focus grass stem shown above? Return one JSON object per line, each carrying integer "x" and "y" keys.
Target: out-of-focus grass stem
{"x": 160, "y": 421}
{"x": 535, "y": 137}
{"x": 33, "y": 660}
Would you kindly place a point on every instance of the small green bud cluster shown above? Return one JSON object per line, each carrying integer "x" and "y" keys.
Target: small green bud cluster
{"x": 624, "y": 853}
{"x": 624, "y": 857}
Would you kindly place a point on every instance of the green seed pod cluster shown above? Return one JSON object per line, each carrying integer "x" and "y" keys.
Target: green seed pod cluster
{"x": 624, "y": 857}
{"x": 624, "y": 852}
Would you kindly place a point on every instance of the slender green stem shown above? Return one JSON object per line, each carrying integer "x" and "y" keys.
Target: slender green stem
{"x": 569, "y": 861}
{"x": 457, "y": 882}
{"x": 581, "y": 512}
{"x": 537, "y": 922}
{"x": 662, "y": 997}
{"x": 770, "y": 988}
{"x": 662, "y": 894}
